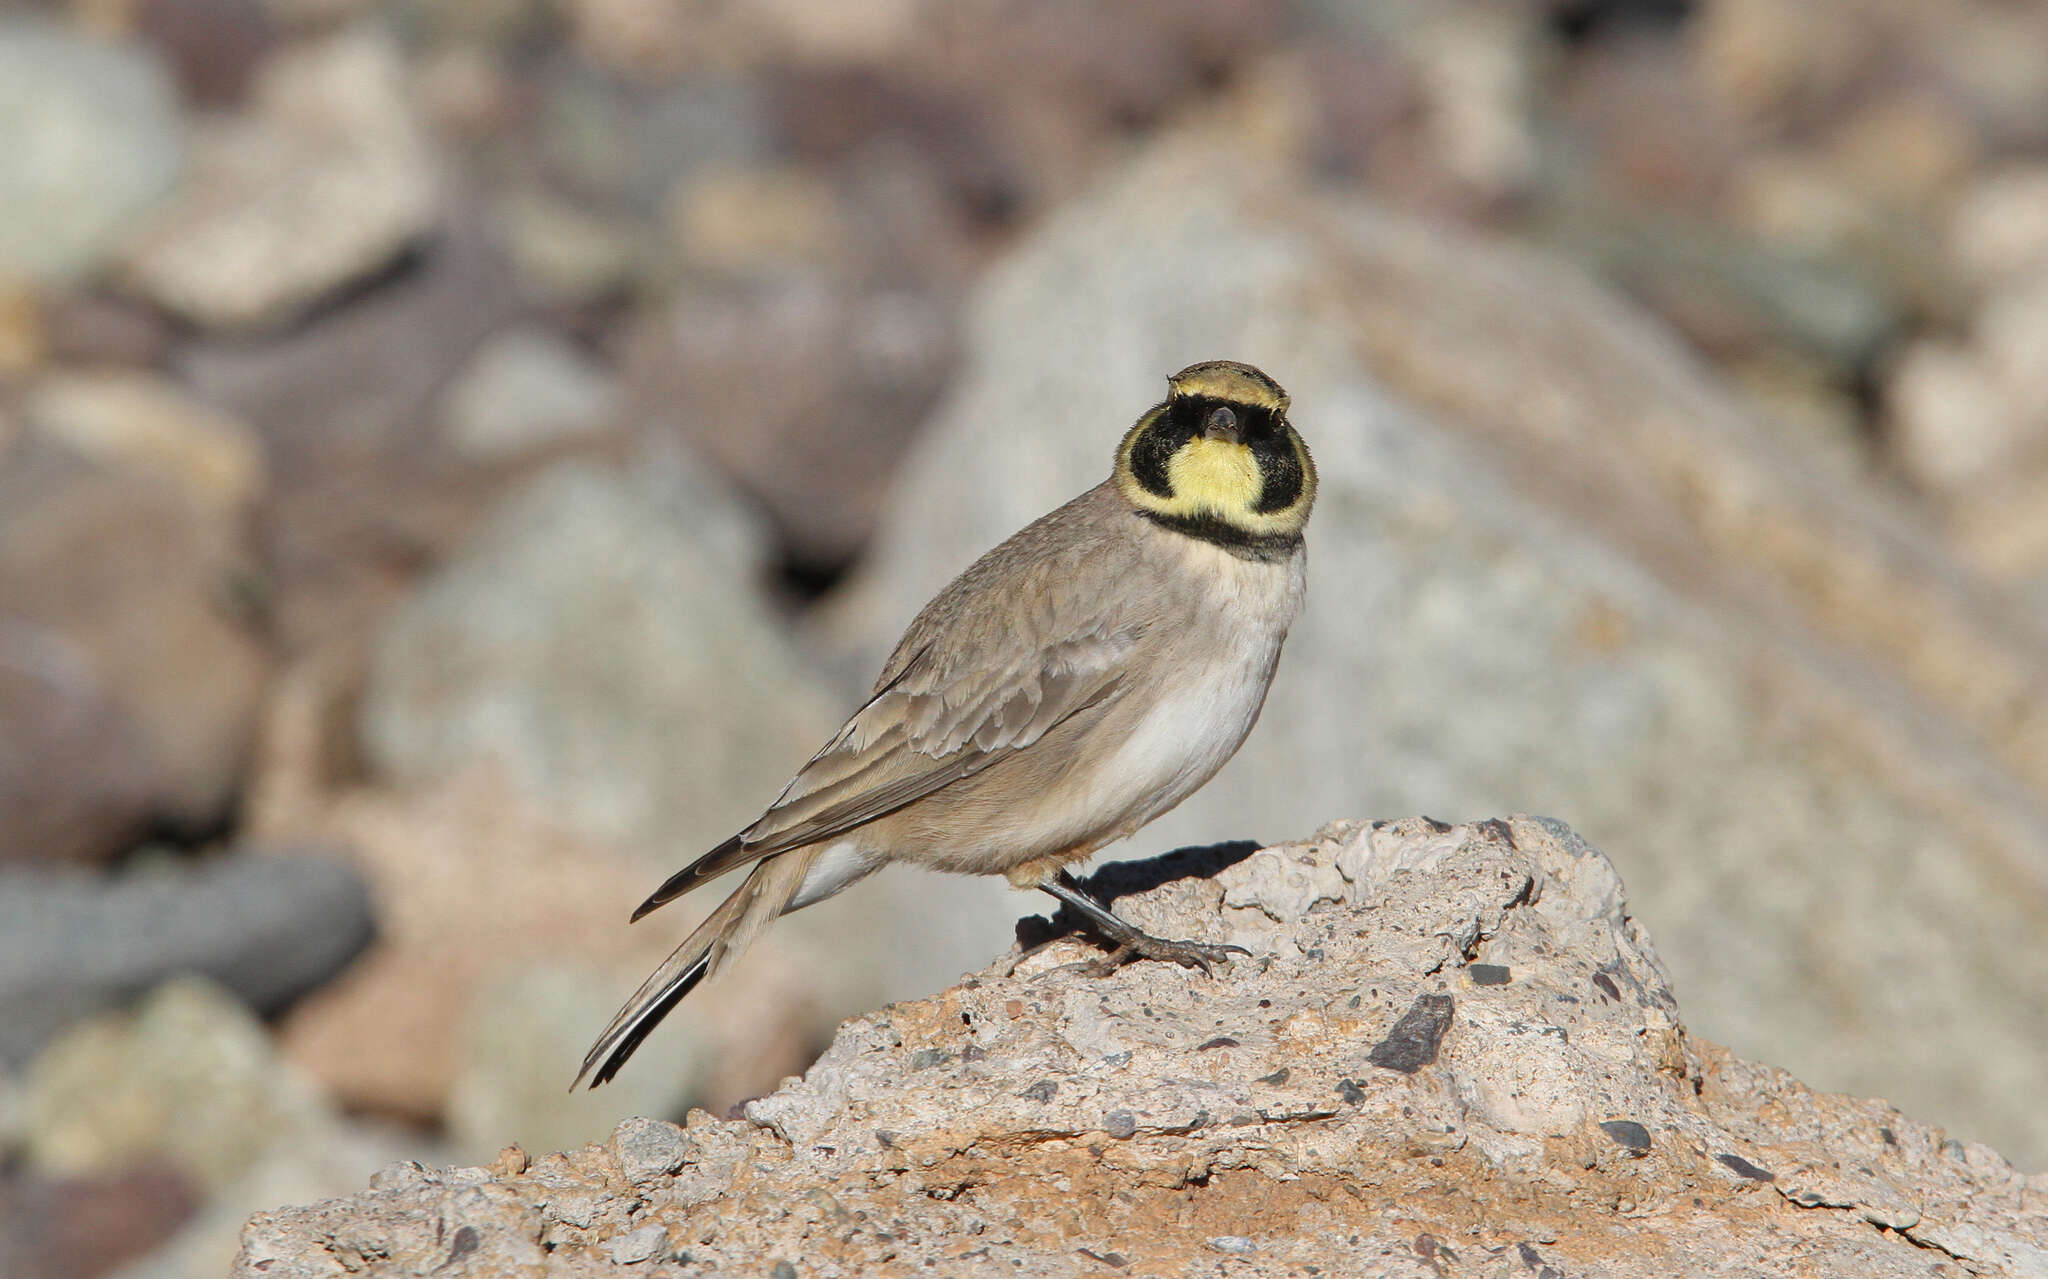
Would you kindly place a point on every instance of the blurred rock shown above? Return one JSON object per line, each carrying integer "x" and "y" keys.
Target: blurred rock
{"x": 335, "y": 1160}
{"x": 2000, "y": 226}
{"x": 1554, "y": 564}
{"x": 83, "y": 1227}
{"x": 1456, "y": 1055}
{"x": 741, "y": 220}
{"x": 1951, "y": 422}
{"x": 807, "y": 393}
{"x": 565, "y": 254}
{"x": 625, "y": 147}
{"x": 101, "y": 329}
{"x": 324, "y": 181}
{"x": 267, "y": 928}
{"x": 213, "y": 46}
{"x": 602, "y": 639}
{"x": 1728, "y": 293}
{"x": 1769, "y": 59}
{"x": 482, "y": 900}
{"x": 135, "y": 678}
{"x": 527, "y": 1032}
{"x": 523, "y": 390}
{"x": 190, "y": 1075}
{"x": 137, "y": 420}
{"x": 93, "y": 138}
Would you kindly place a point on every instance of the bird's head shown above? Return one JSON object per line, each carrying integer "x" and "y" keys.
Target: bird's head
{"x": 1219, "y": 460}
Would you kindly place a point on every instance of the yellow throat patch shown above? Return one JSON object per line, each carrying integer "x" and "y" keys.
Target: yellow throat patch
{"x": 1215, "y": 475}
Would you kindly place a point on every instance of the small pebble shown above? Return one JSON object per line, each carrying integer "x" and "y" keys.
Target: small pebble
{"x": 642, "y": 1244}
{"x": 1233, "y": 1243}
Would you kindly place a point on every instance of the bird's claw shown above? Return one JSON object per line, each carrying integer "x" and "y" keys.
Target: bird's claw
{"x": 1188, "y": 954}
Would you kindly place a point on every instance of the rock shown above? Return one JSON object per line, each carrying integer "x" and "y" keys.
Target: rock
{"x": 147, "y": 422}
{"x": 76, "y": 1227}
{"x": 1242, "y": 1115}
{"x": 341, "y": 1157}
{"x": 267, "y": 928}
{"x": 523, "y": 390}
{"x": 586, "y": 640}
{"x": 190, "y": 1075}
{"x": 807, "y": 392}
{"x": 324, "y": 181}
{"x": 93, "y": 139}
{"x": 1999, "y": 229}
{"x": 1555, "y": 562}
{"x": 133, "y": 675}
{"x": 466, "y": 1011}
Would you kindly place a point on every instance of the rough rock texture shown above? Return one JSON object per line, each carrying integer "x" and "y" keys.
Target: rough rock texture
{"x": 1554, "y": 566}
{"x": 1454, "y": 1052}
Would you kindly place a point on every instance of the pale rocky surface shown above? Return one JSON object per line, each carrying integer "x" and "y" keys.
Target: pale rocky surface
{"x": 1453, "y": 1052}
{"x": 1555, "y": 566}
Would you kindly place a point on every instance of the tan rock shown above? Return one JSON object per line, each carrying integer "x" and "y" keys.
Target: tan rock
{"x": 149, "y": 423}
{"x": 325, "y": 180}
{"x": 1463, "y": 1059}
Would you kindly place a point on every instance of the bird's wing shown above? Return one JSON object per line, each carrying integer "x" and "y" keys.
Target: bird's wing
{"x": 968, "y": 688}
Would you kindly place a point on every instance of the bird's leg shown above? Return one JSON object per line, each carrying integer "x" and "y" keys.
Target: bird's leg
{"x": 1130, "y": 941}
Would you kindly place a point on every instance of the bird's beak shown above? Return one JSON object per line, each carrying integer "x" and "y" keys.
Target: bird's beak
{"x": 1222, "y": 425}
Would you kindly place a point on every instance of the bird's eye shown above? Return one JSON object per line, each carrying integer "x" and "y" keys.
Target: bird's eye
{"x": 1222, "y": 419}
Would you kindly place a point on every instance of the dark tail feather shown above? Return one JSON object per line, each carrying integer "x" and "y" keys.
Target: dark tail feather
{"x": 716, "y": 862}
{"x": 723, "y": 935}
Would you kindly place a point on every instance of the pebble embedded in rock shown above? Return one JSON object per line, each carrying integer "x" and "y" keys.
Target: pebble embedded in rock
{"x": 1628, "y": 1134}
{"x": 1413, "y": 1042}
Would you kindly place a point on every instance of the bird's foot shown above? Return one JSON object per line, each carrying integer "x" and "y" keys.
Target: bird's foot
{"x": 1188, "y": 954}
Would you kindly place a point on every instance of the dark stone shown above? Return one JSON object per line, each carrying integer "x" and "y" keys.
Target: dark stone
{"x": 1120, "y": 1124}
{"x": 269, "y": 927}
{"x": 1221, "y": 1041}
{"x": 1607, "y": 986}
{"x": 1628, "y": 1134}
{"x": 1350, "y": 1091}
{"x": 1043, "y": 1090}
{"x": 1277, "y": 1077}
{"x": 1743, "y": 1168}
{"x": 926, "y": 1058}
{"x": 1488, "y": 974}
{"x": 91, "y": 1225}
{"x": 1413, "y": 1042}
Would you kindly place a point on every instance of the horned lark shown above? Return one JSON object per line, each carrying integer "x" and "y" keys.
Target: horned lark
{"x": 1073, "y": 684}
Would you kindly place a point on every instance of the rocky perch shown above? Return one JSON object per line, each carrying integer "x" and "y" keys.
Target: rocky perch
{"x": 1453, "y": 1053}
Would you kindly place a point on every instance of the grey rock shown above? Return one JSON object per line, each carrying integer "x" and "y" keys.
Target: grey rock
{"x": 1473, "y": 1165}
{"x": 326, "y": 179}
{"x": 524, "y": 389}
{"x": 93, "y": 138}
{"x": 586, "y": 640}
{"x": 650, "y": 1148}
{"x": 643, "y": 1244}
{"x": 268, "y": 928}
{"x": 1555, "y": 564}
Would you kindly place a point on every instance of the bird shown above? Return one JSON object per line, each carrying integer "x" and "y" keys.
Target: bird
{"x": 1074, "y": 683}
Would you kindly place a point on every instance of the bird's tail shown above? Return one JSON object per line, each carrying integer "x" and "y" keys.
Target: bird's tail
{"x": 719, "y": 940}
